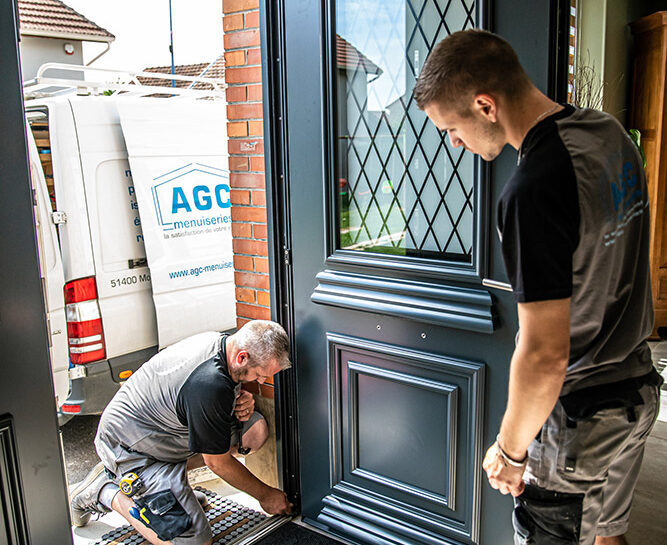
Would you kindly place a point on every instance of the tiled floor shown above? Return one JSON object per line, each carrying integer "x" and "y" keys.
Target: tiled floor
{"x": 95, "y": 529}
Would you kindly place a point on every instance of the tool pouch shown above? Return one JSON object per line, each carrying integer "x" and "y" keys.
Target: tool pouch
{"x": 162, "y": 513}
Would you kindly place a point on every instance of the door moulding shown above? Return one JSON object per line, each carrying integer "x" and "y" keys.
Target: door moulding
{"x": 460, "y": 308}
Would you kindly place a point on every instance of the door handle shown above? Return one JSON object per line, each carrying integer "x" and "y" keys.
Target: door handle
{"x": 497, "y": 285}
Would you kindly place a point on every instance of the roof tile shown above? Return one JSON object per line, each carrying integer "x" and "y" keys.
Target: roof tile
{"x": 53, "y": 16}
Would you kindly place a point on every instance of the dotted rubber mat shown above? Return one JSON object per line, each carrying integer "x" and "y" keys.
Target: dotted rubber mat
{"x": 229, "y": 521}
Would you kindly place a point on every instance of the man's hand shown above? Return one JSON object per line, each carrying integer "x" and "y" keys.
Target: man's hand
{"x": 502, "y": 476}
{"x": 245, "y": 405}
{"x": 275, "y": 502}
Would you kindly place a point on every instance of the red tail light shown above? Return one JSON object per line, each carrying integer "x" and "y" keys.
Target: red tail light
{"x": 84, "y": 322}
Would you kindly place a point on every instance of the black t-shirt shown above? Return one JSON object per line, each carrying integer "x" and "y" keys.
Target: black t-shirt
{"x": 205, "y": 404}
{"x": 538, "y": 216}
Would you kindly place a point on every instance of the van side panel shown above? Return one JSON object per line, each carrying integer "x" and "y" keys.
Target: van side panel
{"x": 52, "y": 275}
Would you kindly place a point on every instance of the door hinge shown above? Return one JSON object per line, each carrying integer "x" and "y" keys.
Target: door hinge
{"x": 58, "y": 218}
{"x": 287, "y": 255}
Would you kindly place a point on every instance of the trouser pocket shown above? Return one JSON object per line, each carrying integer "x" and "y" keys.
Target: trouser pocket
{"x": 162, "y": 513}
{"x": 543, "y": 517}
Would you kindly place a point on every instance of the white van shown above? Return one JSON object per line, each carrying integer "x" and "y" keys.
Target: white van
{"x": 133, "y": 224}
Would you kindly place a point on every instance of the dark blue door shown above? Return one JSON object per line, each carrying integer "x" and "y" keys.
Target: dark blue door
{"x": 401, "y": 353}
{"x": 33, "y": 491}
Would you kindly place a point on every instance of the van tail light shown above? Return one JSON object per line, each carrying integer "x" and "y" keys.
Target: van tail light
{"x": 84, "y": 322}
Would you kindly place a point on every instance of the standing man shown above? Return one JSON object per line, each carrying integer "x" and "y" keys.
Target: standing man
{"x": 574, "y": 227}
{"x": 183, "y": 401}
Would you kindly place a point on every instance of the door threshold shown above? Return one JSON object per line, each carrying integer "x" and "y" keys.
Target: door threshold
{"x": 262, "y": 530}
{"x": 309, "y": 525}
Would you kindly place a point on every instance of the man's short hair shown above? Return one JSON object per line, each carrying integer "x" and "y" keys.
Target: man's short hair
{"x": 264, "y": 341}
{"x": 467, "y": 63}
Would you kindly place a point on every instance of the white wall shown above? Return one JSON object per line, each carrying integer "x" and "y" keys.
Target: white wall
{"x": 36, "y": 51}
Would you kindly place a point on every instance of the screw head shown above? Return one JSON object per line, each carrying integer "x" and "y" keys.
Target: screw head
{"x": 423, "y": 335}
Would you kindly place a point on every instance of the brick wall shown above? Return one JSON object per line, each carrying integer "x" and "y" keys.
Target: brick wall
{"x": 243, "y": 74}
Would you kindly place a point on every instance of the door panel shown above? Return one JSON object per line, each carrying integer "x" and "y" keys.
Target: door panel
{"x": 403, "y": 429}
{"x": 33, "y": 496}
{"x": 401, "y": 355}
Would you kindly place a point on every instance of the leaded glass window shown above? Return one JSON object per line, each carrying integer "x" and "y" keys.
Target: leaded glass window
{"x": 402, "y": 189}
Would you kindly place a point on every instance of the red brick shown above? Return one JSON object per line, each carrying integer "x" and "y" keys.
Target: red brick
{"x": 252, "y": 387}
{"x": 250, "y": 181}
{"x": 253, "y": 56}
{"x": 263, "y": 298}
{"x": 238, "y": 128}
{"x": 240, "y": 322}
{"x": 252, "y": 311}
{"x": 251, "y": 147}
{"x": 249, "y": 213}
{"x": 235, "y": 58}
{"x": 250, "y": 280}
{"x": 255, "y": 128}
{"x": 252, "y": 74}
{"x": 250, "y": 247}
{"x": 254, "y": 92}
{"x": 259, "y": 232}
{"x": 257, "y": 164}
{"x": 240, "y": 196}
{"x": 232, "y": 22}
{"x": 244, "y": 38}
{"x": 258, "y": 197}
{"x": 245, "y": 295}
{"x": 244, "y": 111}
{"x": 236, "y": 94}
{"x": 238, "y": 163}
{"x": 252, "y": 19}
{"x": 267, "y": 390}
{"x": 242, "y": 230}
{"x": 261, "y": 263}
{"x": 243, "y": 262}
{"x": 231, "y": 6}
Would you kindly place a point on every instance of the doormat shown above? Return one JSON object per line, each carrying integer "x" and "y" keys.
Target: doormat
{"x": 229, "y": 522}
{"x": 293, "y": 534}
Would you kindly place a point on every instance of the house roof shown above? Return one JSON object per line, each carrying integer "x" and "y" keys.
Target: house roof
{"x": 54, "y": 19}
{"x": 348, "y": 56}
{"x": 215, "y": 70}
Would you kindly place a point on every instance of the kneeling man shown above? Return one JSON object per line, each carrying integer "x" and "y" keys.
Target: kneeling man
{"x": 182, "y": 402}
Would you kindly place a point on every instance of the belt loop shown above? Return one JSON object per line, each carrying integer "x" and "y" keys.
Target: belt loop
{"x": 632, "y": 415}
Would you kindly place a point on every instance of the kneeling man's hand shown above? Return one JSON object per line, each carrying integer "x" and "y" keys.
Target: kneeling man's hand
{"x": 245, "y": 405}
{"x": 275, "y": 502}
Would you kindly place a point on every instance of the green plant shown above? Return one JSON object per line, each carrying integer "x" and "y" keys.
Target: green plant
{"x": 636, "y": 136}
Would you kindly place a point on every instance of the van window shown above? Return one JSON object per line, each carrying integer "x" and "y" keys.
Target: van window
{"x": 39, "y": 125}
{"x": 121, "y": 238}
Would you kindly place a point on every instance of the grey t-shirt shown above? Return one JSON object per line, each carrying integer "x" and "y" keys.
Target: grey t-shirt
{"x": 574, "y": 222}
{"x": 178, "y": 403}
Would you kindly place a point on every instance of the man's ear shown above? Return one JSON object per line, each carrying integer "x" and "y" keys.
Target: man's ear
{"x": 242, "y": 357}
{"x": 486, "y": 105}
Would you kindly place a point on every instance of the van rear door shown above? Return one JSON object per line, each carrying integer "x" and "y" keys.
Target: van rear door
{"x": 177, "y": 151}
{"x": 50, "y": 260}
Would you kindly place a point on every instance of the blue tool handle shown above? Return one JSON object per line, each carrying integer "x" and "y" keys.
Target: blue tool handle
{"x": 134, "y": 512}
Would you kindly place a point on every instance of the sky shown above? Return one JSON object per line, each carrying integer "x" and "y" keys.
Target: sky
{"x": 141, "y": 28}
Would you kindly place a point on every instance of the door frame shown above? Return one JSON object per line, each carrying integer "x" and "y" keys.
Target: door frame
{"x": 276, "y": 159}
